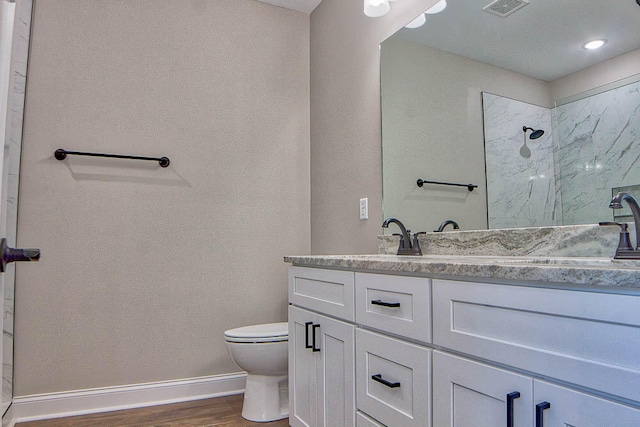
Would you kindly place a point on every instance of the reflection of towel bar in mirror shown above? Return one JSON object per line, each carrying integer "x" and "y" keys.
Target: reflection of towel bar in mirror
{"x": 61, "y": 154}
{"x": 470, "y": 187}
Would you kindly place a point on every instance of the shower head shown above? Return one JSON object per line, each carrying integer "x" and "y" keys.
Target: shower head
{"x": 535, "y": 134}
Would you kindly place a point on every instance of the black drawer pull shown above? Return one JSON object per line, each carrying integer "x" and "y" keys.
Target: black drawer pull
{"x": 510, "y": 398}
{"x": 306, "y": 335}
{"x": 540, "y": 408}
{"x": 315, "y": 349}
{"x": 381, "y": 380}
{"x": 385, "y": 304}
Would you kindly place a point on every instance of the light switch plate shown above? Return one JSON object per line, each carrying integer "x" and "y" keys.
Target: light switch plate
{"x": 364, "y": 208}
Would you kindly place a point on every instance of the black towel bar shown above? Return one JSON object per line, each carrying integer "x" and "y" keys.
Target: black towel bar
{"x": 470, "y": 187}
{"x": 62, "y": 154}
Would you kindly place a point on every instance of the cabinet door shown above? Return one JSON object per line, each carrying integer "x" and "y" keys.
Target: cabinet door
{"x": 467, "y": 393}
{"x": 572, "y": 408}
{"x": 335, "y": 372}
{"x": 302, "y": 369}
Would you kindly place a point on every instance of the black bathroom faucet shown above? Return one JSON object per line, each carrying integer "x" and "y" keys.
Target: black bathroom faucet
{"x": 445, "y": 223}
{"x": 405, "y": 247}
{"x": 625, "y": 250}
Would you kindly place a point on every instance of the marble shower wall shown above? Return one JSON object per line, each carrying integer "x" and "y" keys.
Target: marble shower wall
{"x": 599, "y": 148}
{"x": 521, "y": 184}
{"x": 590, "y": 150}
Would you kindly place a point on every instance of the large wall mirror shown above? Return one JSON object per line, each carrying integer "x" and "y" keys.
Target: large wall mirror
{"x": 464, "y": 95}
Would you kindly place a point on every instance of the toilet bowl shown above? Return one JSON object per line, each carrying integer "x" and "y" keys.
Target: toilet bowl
{"x": 262, "y": 351}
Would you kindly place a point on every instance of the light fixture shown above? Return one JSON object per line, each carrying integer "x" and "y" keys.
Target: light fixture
{"x": 437, "y": 8}
{"x": 376, "y": 8}
{"x": 594, "y": 44}
{"x": 418, "y": 22}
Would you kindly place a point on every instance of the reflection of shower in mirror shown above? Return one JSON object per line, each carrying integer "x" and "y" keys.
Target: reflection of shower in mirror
{"x": 535, "y": 134}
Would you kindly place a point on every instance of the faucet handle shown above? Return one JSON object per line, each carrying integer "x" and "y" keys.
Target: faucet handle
{"x": 622, "y": 225}
{"x": 415, "y": 249}
{"x": 624, "y": 244}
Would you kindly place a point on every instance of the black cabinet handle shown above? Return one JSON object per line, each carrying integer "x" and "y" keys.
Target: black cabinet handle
{"x": 306, "y": 335}
{"x": 540, "y": 408}
{"x": 315, "y": 349}
{"x": 381, "y": 380}
{"x": 510, "y": 398}
{"x": 385, "y": 304}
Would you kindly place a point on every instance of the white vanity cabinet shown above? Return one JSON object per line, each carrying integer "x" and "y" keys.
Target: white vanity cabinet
{"x": 416, "y": 351}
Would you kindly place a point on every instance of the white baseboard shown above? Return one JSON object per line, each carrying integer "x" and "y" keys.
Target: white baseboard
{"x": 82, "y": 402}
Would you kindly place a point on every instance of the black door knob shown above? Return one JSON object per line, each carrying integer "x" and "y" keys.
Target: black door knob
{"x": 11, "y": 254}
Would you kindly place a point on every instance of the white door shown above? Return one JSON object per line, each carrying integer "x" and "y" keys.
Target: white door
{"x": 15, "y": 26}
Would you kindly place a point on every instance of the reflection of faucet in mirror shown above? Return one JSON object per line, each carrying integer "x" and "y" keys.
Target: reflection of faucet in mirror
{"x": 444, "y": 224}
{"x": 616, "y": 203}
{"x": 405, "y": 247}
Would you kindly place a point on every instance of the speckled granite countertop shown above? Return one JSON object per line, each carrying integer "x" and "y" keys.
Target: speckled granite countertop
{"x": 594, "y": 272}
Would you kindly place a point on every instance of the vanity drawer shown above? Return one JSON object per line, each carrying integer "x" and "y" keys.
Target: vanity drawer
{"x": 396, "y": 304}
{"x": 393, "y": 382}
{"x": 585, "y": 338}
{"x": 327, "y": 291}
{"x": 363, "y": 420}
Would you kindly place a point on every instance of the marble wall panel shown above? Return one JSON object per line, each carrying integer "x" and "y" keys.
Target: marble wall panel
{"x": 599, "y": 149}
{"x": 521, "y": 184}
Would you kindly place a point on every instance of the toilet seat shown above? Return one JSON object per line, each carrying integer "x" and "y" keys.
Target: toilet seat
{"x": 266, "y": 333}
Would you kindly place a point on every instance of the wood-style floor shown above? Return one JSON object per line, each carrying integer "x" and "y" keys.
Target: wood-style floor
{"x": 218, "y": 412}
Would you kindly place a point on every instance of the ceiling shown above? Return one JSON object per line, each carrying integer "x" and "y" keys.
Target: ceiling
{"x": 543, "y": 39}
{"x": 305, "y": 6}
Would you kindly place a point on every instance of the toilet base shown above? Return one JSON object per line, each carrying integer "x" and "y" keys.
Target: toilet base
{"x": 266, "y": 398}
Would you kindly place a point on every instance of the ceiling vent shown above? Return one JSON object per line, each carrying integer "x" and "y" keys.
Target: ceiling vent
{"x": 504, "y": 8}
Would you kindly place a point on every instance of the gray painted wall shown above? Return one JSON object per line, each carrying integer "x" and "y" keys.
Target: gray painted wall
{"x": 144, "y": 268}
{"x": 598, "y": 75}
{"x": 345, "y": 125}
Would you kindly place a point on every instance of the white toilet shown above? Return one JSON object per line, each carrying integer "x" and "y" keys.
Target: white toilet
{"x": 262, "y": 351}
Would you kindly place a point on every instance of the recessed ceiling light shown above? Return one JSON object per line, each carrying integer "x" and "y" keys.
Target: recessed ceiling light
{"x": 594, "y": 44}
{"x": 418, "y": 22}
{"x": 437, "y": 8}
